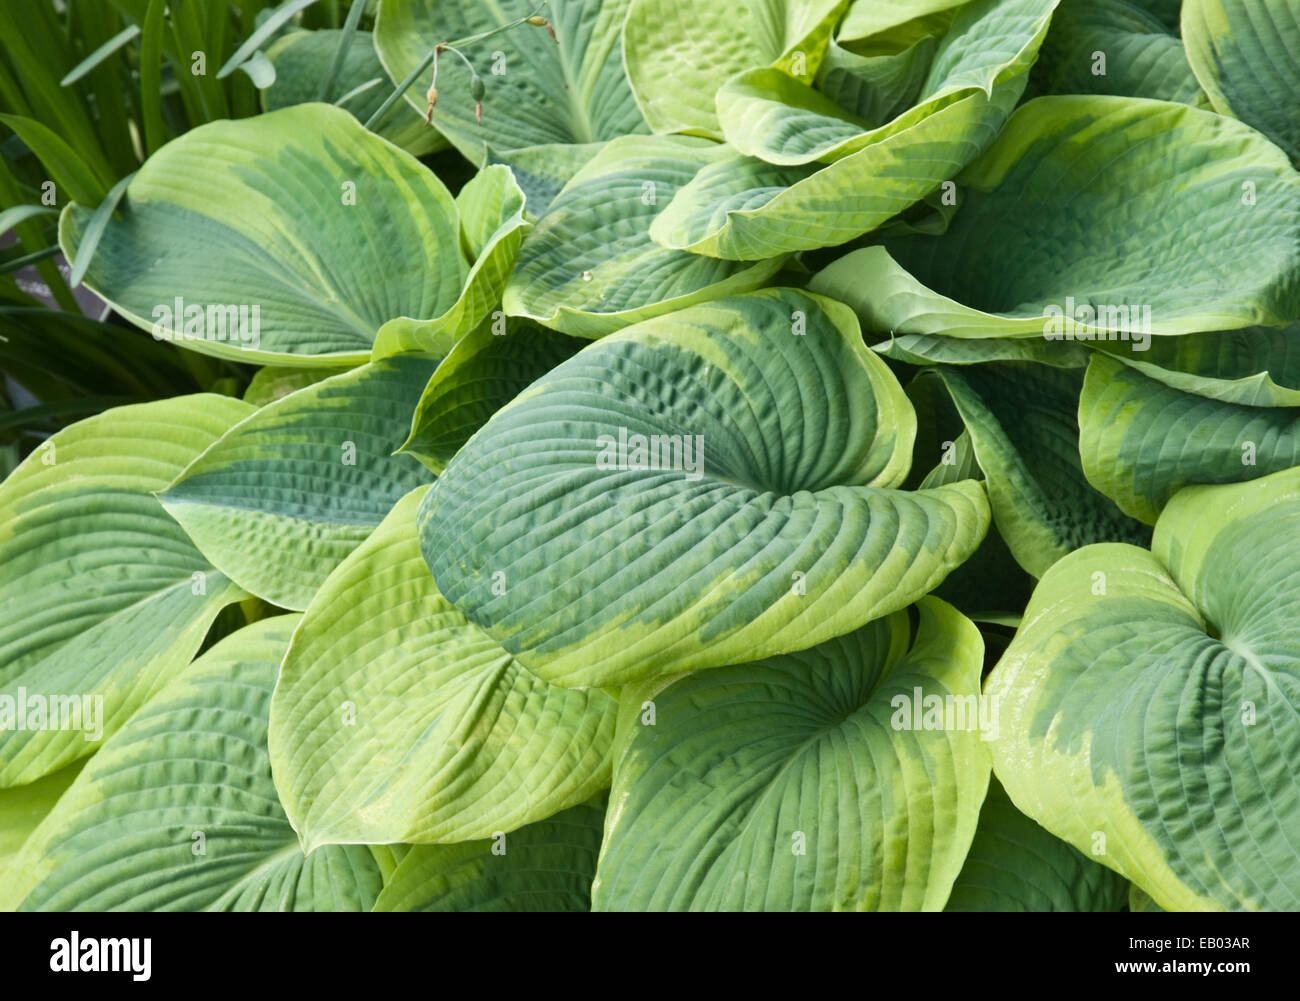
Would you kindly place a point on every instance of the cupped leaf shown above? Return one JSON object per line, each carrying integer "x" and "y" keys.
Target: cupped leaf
{"x": 810, "y": 781}
{"x": 177, "y": 811}
{"x": 1149, "y": 702}
{"x": 590, "y": 267}
{"x": 301, "y": 58}
{"x": 876, "y": 88}
{"x": 1113, "y": 47}
{"x": 545, "y": 866}
{"x": 103, "y": 598}
{"x": 751, "y": 207}
{"x": 1023, "y": 424}
{"x": 1141, "y": 441}
{"x": 1246, "y": 53}
{"x": 1255, "y": 366}
{"x": 768, "y": 114}
{"x": 490, "y": 208}
{"x": 289, "y": 238}
{"x": 487, "y": 369}
{"x": 1015, "y": 865}
{"x": 704, "y": 488}
{"x": 679, "y": 52}
{"x": 537, "y": 90}
{"x": 1030, "y": 254}
{"x": 395, "y": 719}
{"x": 287, "y": 493}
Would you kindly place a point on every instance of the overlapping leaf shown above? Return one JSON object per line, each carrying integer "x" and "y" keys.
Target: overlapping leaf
{"x": 679, "y": 52}
{"x": 1141, "y": 440}
{"x": 1149, "y": 701}
{"x": 289, "y": 238}
{"x": 23, "y": 807}
{"x": 487, "y": 369}
{"x": 1015, "y": 865}
{"x": 395, "y": 719}
{"x": 490, "y": 208}
{"x": 810, "y": 781}
{"x": 1113, "y": 47}
{"x": 590, "y": 267}
{"x": 766, "y": 520}
{"x": 546, "y": 866}
{"x": 866, "y": 21}
{"x": 287, "y": 493}
{"x": 177, "y": 812}
{"x": 1022, "y": 420}
{"x": 776, "y": 200}
{"x": 1255, "y": 366}
{"x": 1034, "y": 249}
{"x": 1246, "y": 53}
{"x": 103, "y": 598}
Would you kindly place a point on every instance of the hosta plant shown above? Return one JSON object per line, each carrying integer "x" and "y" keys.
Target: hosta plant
{"x": 643, "y": 455}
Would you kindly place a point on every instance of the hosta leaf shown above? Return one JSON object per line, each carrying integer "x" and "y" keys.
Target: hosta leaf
{"x": 990, "y": 585}
{"x": 1141, "y": 903}
{"x": 800, "y": 782}
{"x": 177, "y": 811}
{"x": 1246, "y": 53}
{"x": 876, "y": 88}
{"x": 768, "y": 114}
{"x": 23, "y": 807}
{"x": 769, "y": 524}
{"x": 1113, "y": 47}
{"x": 541, "y": 171}
{"x": 774, "y": 201}
{"x": 102, "y": 595}
{"x": 397, "y": 720}
{"x": 275, "y": 382}
{"x": 1023, "y": 424}
{"x": 679, "y": 52}
{"x": 301, "y": 58}
{"x": 1015, "y": 865}
{"x": 1149, "y": 701}
{"x": 492, "y": 225}
{"x": 1255, "y": 367}
{"x": 935, "y": 349}
{"x": 590, "y": 267}
{"x": 1165, "y": 11}
{"x": 546, "y": 866}
{"x": 487, "y": 369}
{"x": 537, "y": 91}
{"x": 867, "y": 19}
{"x": 288, "y": 492}
{"x": 323, "y": 228}
{"x": 941, "y": 452}
{"x": 1141, "y": 441}
{"x": 1029, "y": 237}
